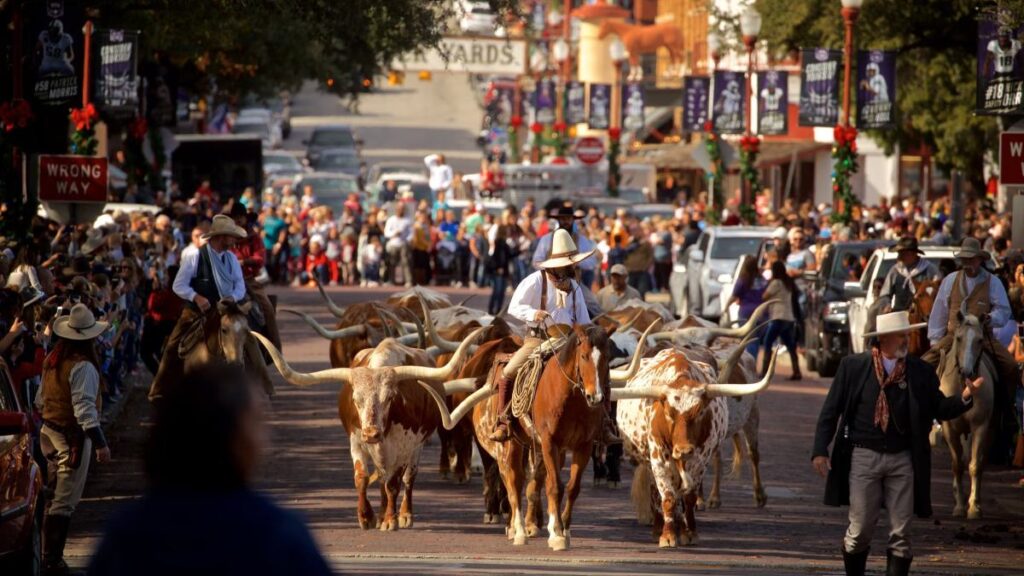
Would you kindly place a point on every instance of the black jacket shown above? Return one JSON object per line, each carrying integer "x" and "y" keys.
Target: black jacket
{"x": 927, "y": 403}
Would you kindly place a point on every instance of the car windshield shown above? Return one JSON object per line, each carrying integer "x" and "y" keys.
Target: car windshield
{"x": 251, "y": 129}
{"x": 327, "y": 186}
{"x": 278, "y": 162}
{"x": 887, "y": 265}
{"x": 338, "y": 162}
{"x": 333, "y": 138}
{"x": 733, "y": 248}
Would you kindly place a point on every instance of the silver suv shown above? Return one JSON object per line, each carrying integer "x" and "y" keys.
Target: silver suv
{"x": 711, "y": 262}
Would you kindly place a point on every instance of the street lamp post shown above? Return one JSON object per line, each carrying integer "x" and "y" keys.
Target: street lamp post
{"x": 617, "y": 51}
{"x": 750, "y": 27}
{"x": 560, "y": 52}
{"x": 844, "y": 152}
{"x": 850, "y": 12}
{"x": 710, "y": 138}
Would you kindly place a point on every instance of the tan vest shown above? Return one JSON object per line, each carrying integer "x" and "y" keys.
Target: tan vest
{"x": 57, "y": 405}
{"x": 978, "y": 302}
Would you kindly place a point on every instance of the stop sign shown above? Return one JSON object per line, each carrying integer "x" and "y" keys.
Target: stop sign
{"x": 589, "y": 150}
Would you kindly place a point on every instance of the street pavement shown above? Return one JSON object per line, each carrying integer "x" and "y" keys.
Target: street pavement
{"x": 309, "y": 470}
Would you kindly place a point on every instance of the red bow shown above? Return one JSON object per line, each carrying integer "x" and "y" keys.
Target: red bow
{"x": 83, "y": 117}
{"x": 845, "y": 134}
{"x": 515, "y": 121}
{"x": 536, "y": 128}
{"x": 615, "y": 133}
{"x": 708, "y": 126}
{"x": 559, "y": 126}
{"x": 750, "y": 144}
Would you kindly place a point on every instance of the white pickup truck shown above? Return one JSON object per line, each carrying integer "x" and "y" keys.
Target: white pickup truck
{"x": 882, "y": 260}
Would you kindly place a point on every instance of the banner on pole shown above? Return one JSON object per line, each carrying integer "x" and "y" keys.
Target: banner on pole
{"x": 1000, "y": 74}
{"x": 117, "y": 79}
{"x": 55, "y": 53}
{"x": 575, "y": 103}
{"x": 696, "y": 90}
{"x": 544, "y": 101}
{"x": 727, "y": 113}
{"x": 632, "y": 107}
{"x": 772, "y": 102}
{"x": 600, "y": 106}
{"x": 819, "y": 86}
{"x": 876, "y": 89}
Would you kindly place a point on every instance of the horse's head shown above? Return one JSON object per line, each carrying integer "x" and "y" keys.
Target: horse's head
{"x": 233, "y": 329}
{"x": 967, "y": 343}
{"x": 584, "y": 361}
{"x": 924, "y": 297}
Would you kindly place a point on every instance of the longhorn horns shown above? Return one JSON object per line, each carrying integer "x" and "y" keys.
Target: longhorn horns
{"x": 334, "y": 308}
{"x": 695, "y": 333}
{"x": 659, "y": 392}
{"x": 621, "y": 376}
{"x": 347, "y": 332}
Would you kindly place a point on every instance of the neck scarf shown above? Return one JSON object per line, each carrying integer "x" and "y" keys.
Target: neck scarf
{"x": 222, "y": 272}
{"x": 898, "y": 375}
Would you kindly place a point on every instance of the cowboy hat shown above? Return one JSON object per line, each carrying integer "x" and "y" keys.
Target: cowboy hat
{"x": 969, "y": 248}
{"x": 566, "y": 211}
{"x": 906, "y": 244}
{"x": 30, "y": 295}
{"x": 223, "y": 225}
{"x": 894, "y": 323}
{"x": 563, "y": 252}
{"x": 94, "y": 239}
{"x": 79, "y": 325}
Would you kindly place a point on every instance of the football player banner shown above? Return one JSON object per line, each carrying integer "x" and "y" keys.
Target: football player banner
{"x": 772, "y": 102}
{"x": 575, "y": 103}
{"x": 819, "y": 86}
{"x": 632, "y": 107}
{"x": 696, "y": 90}
{"x": 728, "y": 107}
{"x": 600, "y": 106}
{"x": 876, "y": 89}
{"x": 117, "y": 80}
{"x": 544, "y": 101}
{"x": 55, "y": 53}
{"x": 501, "y": 108}
{"x": 1000, "y": 75}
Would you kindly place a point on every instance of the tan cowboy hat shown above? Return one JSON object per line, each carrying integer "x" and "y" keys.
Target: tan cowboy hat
{"x": 563, "y": 252}
{"x": 970, "y": 248}
{"x": 94, "y": 239}
{"x": 223, "y": 225}
{"x": 894, "y": 323}
{"x": 79, "y": 325}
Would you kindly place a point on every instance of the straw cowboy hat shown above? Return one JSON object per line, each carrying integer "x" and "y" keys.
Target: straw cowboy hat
{"x": 563, "y": 252}
{"x": 223, "y": 225}
{"x": 894, "y": 323}
{"x": 79, "y": 325}
{"x": 970, "y": 248}
{"x": 94, "y": 239}
{"x": 906, "y": 244}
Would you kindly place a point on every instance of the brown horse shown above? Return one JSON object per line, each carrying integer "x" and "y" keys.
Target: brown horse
{"x": 920, "y": 309}
{"x": 645, "y": 40}
{"x": 566, "y": 415}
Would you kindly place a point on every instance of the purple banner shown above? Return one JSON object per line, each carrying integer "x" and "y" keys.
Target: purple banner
{"x": 55, "y": 52}
{"x": 575, "y": 103}
{"x": 730, "y": 91}
{"x": 696, "y": 90}
{"x": 632, "y": 107}
{"x": 501, "y": 107}
{"x": 117, "y": 81}
{"x": 819, "y": 86}
{"x": 772, "y": 102}
{"x": 544, "y": 101}
{"x": 1000, "y": 75}
{"x": 600, "y": 106}
{"x": 876, "y": 89}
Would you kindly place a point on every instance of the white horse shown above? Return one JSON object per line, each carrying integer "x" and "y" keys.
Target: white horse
{"x": 967, "y": 359}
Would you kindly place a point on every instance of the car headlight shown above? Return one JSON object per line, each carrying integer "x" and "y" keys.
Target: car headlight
{"x": 724, "y": 278}
{"x": 837, "y": 311}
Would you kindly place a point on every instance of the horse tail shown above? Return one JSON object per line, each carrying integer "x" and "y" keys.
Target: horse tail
{"x": 737, "y": 457}
{"x": 641, "y": 495}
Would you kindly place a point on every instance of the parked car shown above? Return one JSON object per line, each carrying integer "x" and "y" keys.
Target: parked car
{"x": 416, "y": 182}
{"x": 476, "y": 17}
{"x": 324, "y": 137}
{"x": 21, "y": 485}
{"x": 281, "y": 163}
{"x": 259, "y": 125}
{"x": 826, "y": 318}
{"x": 382, "y": 170}
{"x": 712, "y": 261}
{"x": 343, "y": 160}
{"x": 862, "y": 297}
{"x": 331, "y": 189}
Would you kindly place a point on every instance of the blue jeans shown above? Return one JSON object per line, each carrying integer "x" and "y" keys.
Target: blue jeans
{"x": 786, "y": 331}
{"x": 497, "y": 300}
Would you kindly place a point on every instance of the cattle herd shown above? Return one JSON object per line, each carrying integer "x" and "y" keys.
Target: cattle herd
{"x": 418, "y": 363}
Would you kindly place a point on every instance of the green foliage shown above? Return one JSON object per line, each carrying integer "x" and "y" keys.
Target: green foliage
{"x": 935, "y": 41}
{"x": 715, "y": 176}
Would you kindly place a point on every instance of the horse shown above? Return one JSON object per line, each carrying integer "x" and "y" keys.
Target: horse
{"x": 646, "y": 39}
{"x": 920, "y": 310}
{"x": 225, "y": 336}
{"x": 967, "y": 359}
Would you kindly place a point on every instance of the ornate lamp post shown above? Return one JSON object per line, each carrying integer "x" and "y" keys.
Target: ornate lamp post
{"x": 750, "y": 27}
{"x": 617, "y": 51}
{"x": 845, "y": 150}
{"x": 711, "y": 143}
{"x": 560, "y": 52}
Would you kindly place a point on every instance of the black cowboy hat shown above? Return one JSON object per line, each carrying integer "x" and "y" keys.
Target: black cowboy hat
{"x": 906, "y": 244}
{"x": 566, "y": 211}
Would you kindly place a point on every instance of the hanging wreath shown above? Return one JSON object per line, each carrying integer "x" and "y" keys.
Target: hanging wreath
{"x": 83, "y": 138}
{"x": 560, "y": 128}
{"x": 715, "y": 175}
{"x": 844, "y": 155}
{"x": 614, "y": 146}
{"x": 750, "y": 147}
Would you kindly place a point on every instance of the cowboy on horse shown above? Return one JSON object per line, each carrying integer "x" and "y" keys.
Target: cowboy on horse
{"x": 208, "y": 276}
{"x": 550, "y": 302}
{"x": 907, "y": 275}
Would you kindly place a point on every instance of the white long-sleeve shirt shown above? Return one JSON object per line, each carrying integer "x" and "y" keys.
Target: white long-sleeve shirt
{"x": 190, "y": 265}
{"x": 526, "y": 302}
{"x": 398, "y": 227}
{"x": 440, "y": 174}
{"x": 999, "y": 316}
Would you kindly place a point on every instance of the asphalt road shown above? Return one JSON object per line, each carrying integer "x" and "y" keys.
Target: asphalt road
{"x": 309, "y": 470}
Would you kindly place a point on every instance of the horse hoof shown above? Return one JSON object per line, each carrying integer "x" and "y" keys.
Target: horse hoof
{"x": 599, "y": 482}
{"x": 667, "y": 542}
{"x": 558, "y": 543}
{"x": 462, "y": 479}
{"x": 613, "y": 485}
{"x": 714, "y": 503}
{"x": 445, "y": 475}
{"x": 532, "y": 531}
{"x": 519, "y": 540}
{"x": 687, "y": 538}
{"x": 388, "y": 525}
{"x": 958, "y": 512}
{"x": 701, "y": 504}
{"x": 973, "y": 513}
{"x": 760, "y": 500}
{"x": 490, "y": 518}
{"x": 367, "y": 523}
{"x": 405, "y": 521}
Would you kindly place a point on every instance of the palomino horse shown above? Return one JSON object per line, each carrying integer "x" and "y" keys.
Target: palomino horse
{"x": 968, "y": 359}
{"x": 644, "y": 40}
{"x": 920, "y": 309}
{"x": 566, "y": 415}
{"x": 226, "y": 333}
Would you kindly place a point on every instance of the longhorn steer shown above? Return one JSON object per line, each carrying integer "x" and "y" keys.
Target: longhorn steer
{"x": 386, "y": 417}
{"x": 673, "y": 415}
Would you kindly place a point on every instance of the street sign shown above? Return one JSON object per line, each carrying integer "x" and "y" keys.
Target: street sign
{"x": 472, "y": 55}
{"x": 72, "y": 179}
{"x": 589, "y": 150}
{"x": 1011, "y": 158}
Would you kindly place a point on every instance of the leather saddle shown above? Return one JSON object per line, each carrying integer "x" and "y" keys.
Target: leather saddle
{"x": 193, "y": 335}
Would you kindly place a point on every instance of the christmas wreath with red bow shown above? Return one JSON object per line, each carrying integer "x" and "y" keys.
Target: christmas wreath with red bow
{"x": 844, "y": 154}
{"x": 83, "y": 138}
{"x": 715, "y": 175}
{"x": 614, "y": 146}
{"x": 750, "y": 146}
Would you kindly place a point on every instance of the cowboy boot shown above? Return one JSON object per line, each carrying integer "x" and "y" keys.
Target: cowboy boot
{"x": 501, "y": 427}
{"x": 855, "y": 562}
{"x": 55, "y": 534}
{"x": 897, "y": 565}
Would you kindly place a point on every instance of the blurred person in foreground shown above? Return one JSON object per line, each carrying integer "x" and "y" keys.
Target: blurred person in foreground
{"x": 200, "y": 514}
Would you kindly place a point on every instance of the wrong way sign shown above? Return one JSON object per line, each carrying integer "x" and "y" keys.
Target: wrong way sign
{"x": 72, "y": 178}
{"x": 1011, "y": 158}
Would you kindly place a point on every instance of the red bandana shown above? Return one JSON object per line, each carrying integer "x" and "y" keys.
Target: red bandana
{"x": 898, "y": 375}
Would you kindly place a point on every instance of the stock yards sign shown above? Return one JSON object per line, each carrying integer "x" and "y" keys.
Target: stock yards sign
{"x": 471, "y": 55}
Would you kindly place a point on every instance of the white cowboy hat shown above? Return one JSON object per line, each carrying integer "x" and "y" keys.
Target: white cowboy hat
{"x": 223, "y": 225}
{"x": 94, "y": 238}
{"x": 894, "y": 323}
{"x": 563, "y": 252}
{"x": 79, "y": 325}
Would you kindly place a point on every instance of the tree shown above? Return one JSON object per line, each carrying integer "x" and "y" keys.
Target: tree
{"x": 935, "y": 41}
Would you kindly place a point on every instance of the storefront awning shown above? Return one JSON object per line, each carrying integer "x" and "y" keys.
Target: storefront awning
{"x": 679, "y": 156}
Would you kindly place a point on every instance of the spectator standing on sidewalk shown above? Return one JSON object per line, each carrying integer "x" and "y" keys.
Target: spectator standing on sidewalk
{"x": 162, "y": 311}
{"x": 398, "y": 233}
{"x": 499, "y": 261}
{"x": 782, "y": 321}
{"x": 440, "y": 174}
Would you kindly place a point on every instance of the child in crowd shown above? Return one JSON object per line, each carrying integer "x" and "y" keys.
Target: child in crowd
{"x": 371, "y": 261}
{"x": 348, "y": 259}
{"x": 334, "y": 254}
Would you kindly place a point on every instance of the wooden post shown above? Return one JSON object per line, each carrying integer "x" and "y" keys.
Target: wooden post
{"x": 88, "y": 60}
